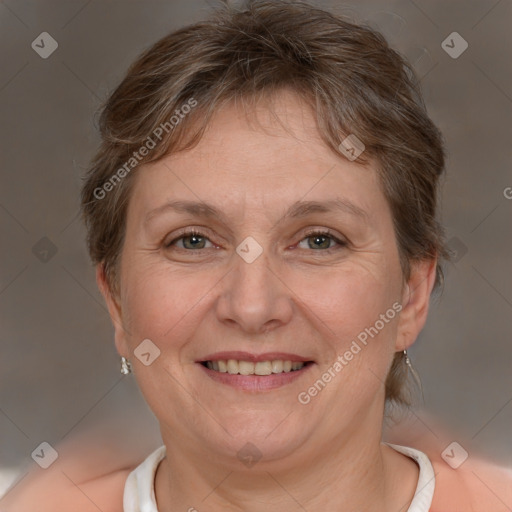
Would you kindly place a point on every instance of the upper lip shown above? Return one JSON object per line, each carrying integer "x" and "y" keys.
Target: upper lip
{"x": 255, "y": 358}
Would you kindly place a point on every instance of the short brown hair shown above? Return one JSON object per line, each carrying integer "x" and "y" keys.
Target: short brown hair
{"x": 354, "y": 81}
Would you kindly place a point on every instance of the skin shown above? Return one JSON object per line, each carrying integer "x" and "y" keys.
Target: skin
{"x": 293, "y": 298}
{"x": 52, "y": 491}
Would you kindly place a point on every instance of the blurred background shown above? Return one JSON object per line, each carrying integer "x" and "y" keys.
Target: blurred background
{"x": 59, "y": 371}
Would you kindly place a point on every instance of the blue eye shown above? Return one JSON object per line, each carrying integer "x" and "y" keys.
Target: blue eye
{"x": 191, "y": 240}
{"x": 316, "y": 240}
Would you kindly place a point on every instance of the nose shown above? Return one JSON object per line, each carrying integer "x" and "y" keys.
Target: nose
{"x": 253, "y": 297}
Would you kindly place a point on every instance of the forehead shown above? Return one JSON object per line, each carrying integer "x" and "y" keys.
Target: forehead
{"x": 261, "y": 157}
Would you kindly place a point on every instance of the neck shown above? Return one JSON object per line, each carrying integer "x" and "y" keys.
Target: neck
{"x": 354, "y": 472}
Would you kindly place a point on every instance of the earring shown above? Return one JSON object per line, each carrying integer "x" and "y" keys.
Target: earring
{"x": 407, "y": 360}
{"x": 411, "y": 369}
{"x": 126, "y": 366}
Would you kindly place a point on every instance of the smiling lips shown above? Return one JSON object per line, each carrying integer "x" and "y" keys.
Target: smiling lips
{"x": 254, "y": 372}
{"x": 233, "y": 367}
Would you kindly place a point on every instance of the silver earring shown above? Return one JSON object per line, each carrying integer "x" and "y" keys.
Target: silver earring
{"x": 126, "y": 366}
{"x": 414, "y": 373}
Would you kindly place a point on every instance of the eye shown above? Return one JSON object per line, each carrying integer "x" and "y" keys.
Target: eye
{"x": 322, "y": 240}
{"x": 190, "y": 240}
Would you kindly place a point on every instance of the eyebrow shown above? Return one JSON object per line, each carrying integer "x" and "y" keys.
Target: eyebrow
{"x": 298, "y": 209}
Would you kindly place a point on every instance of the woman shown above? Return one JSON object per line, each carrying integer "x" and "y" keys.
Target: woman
{"x": 262, "y": 216}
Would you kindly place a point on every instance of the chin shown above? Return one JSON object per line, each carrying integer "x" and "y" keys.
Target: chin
{"x": 262, "y": 441}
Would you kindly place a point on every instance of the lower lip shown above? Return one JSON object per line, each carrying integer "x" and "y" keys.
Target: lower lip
{"x": 256, "y": 382}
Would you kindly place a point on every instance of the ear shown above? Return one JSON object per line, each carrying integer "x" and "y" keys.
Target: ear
{"x": 114, "y": 309}
{"x": 415, "y": 302}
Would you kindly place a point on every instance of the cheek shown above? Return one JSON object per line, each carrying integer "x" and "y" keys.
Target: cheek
{"x": 348, "y": 301}
{"x": 357, "y": 319}
{"x": 160, "y": 302}
{"x": 361, "y": 322}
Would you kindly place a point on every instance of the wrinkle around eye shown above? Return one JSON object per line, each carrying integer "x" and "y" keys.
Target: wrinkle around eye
{"x": 337, "y": 244}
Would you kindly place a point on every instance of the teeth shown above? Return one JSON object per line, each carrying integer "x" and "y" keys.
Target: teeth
{"x": 277, "y": 366}
{"x": 263, "y": 368}
{"x": 245, "y": 368}
{"x": 234, "y": 367}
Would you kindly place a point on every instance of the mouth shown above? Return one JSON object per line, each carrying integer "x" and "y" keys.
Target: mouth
{"x": 251, "y": 372}
{"x": 261, "y": 368}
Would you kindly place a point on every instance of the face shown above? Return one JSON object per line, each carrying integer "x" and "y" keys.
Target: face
{"x": 260, "y": 246}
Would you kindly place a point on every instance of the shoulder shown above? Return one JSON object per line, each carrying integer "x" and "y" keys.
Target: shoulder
{"x": 108, "y": 489}
{"x": 57, "y": 492}
{"x": 475, "y": 486}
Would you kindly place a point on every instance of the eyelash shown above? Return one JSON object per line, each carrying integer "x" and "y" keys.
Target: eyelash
{"x": 310, "y": 234}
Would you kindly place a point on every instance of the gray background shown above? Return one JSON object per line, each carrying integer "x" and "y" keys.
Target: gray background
{"x": 59, "y": 369}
